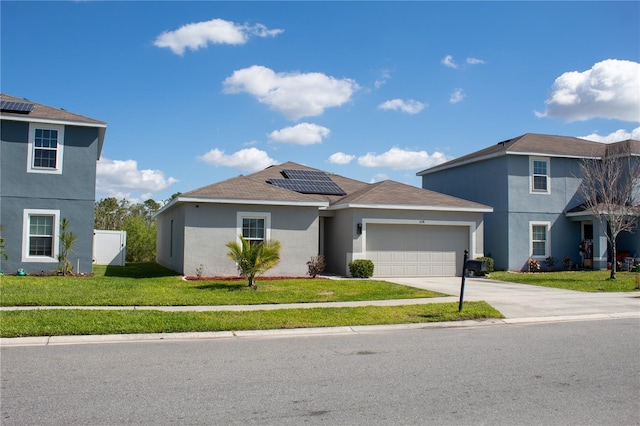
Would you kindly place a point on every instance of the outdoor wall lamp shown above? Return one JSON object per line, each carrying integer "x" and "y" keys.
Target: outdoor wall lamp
{"x": 359, "y": 228}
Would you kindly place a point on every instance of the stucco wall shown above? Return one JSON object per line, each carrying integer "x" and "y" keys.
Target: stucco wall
{"x": 208, "y": 227}
{"x": 170, "y": 239}
{"x": 72, "y": 193}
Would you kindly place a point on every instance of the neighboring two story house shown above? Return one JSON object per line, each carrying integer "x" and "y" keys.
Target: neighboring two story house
{"x": 532, "y": 182}
{"x": 47, "y": 172}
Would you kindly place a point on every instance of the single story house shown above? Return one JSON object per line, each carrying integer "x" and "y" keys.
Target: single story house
{"x": 404, "y": 230}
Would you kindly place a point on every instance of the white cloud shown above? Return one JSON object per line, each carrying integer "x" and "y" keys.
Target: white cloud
{"x": 341, "y": 158}
{"x": 610, "y": 89}
{"x": 397, "y": 158}
{"x": 457, "y": 96}
{"x": 617, "y": 136}
{"x": 386, "y": 74}
{"x": 410, "y": 106}
{"x": 295, "y": 94}
{"x": 301, "y": 134}
{"x": 447, "y": 61}
{"x": 121, "y": 178}
{"x": 475, "y": 61}
{"x": 198, "y": 35}
{"x": 247, "y": 160}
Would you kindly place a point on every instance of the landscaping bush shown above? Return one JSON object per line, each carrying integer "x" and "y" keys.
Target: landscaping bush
{"x": 533, "y": 265}
{"x": 361, "y": 268}
{"x": 316, "y": 265}
{"x": 489, "y": 262}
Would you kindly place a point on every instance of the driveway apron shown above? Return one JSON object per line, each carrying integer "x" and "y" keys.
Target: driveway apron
{"x": 527, "y": 301}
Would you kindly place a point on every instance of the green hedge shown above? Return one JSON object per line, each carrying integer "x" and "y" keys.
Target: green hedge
{"x": 361, "y": 268}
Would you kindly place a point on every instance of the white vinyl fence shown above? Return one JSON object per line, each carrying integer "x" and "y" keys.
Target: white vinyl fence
{"x": 109, "y": 247}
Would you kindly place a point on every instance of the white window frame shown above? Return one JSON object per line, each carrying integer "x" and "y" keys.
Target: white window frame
{"x": 32, "y": 148}
{"x": 254, "y": 215}
{"x": 26, "y": 221}
{"x": 532, "y": 175}
{"x": 547, "y": 246}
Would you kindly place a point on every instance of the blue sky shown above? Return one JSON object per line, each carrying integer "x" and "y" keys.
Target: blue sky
{"x": 198, "y": 92}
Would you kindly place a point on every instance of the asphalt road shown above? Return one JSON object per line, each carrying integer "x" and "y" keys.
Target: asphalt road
{"x": 563, "y": 373}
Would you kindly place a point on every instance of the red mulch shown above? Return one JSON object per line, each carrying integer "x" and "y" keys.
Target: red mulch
{"x": 236, "y": 278}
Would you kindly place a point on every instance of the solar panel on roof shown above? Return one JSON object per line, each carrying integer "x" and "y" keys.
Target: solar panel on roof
{"x": 306, "y": 175}
{"x": 13, "y": 106}
{"x": 305, "y": 186}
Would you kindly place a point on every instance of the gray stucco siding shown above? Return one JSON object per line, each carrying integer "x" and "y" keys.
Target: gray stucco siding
{"x": 77, "y": 180}
{"x": 71, "y": 193}
{"x": 209, "y": 227}
{"x": 563, "y": 186}
{"x": 482, "y": 182}
{"x": 79, "y": 214}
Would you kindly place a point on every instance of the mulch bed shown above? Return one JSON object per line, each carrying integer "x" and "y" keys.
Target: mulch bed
{"x": 236, "y": 278}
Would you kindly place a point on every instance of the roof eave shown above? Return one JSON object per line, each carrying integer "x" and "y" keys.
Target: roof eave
{"x": 485, "y": 209}
{"x": 102, "y": 127}
{"x": 203, "y": 200}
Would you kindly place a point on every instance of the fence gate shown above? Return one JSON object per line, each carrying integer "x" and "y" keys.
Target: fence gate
{"x": 109, "y": 247}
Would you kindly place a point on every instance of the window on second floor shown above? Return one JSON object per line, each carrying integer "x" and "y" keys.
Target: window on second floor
{"x": 539, "y": 168}
{"x": 45, "y": 148}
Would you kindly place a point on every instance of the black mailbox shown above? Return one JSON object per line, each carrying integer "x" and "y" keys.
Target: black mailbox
{"x": 476, "y": 265}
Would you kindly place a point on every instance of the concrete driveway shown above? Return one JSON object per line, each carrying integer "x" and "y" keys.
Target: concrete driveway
{"x": 527, "y": 301}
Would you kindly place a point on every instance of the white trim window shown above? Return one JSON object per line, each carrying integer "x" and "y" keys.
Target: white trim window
{"x": 539, "y": 239}
{"x": 254, "y": 226}
{"x": 539, "y": 170}
{"x": 40, "y": 235}
{"x": 45, "y": 148}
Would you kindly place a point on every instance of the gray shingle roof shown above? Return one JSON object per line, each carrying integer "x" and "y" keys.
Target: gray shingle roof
{"x": 537, "y": 144}
{"x": 44, "y": 112}
{"x": 47, "y": 114}
{"x": 254, "y": 188}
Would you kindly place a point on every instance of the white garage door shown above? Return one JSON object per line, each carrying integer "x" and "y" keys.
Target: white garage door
{"x": 416, "y": 250}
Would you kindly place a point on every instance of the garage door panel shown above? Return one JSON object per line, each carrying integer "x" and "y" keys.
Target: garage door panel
{"x": 416, "y": 250}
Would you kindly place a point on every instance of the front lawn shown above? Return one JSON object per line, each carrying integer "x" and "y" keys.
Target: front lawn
{"x": 152, "y": 285}
{"x": 57, "y": 322}
{"x": 590, "y": 281}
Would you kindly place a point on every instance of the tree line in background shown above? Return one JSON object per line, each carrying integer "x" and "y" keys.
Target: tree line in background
{"x": 136, "y": 219}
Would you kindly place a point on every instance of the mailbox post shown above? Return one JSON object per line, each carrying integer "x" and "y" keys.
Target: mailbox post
{"x": 464, "y": 273}
{"x": 469, "y": 265}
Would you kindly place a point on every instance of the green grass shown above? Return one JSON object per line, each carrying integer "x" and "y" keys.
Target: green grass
{"x": 151, "y": 285}
{"x": 590, "y": 281}
{"x": 57, "y": 322}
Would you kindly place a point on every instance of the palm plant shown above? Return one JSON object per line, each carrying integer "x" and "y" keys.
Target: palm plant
{"x": 67, "y": 241}
{"x": 254, "y": 258}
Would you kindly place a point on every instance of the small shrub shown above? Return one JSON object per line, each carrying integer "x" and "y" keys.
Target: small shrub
{"x": 489, "y": 262}
{"x": 199, "y": 270}
{"x": 361, "y": 268}
{"x": 566, "y": 263}
{"x": 316, "y": 265}
{"x": 533, "y": 265}
{"x": 550, "y": 262}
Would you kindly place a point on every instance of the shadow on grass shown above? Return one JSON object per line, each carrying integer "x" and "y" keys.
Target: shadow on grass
{"x": 139, "y": 270}
{"x": 223, "y": 286}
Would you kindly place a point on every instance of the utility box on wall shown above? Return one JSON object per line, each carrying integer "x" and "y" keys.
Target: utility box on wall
{"x": 109, "y": 247}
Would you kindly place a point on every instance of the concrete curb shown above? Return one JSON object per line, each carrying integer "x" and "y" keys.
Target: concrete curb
{"x": 359, "y": 329}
